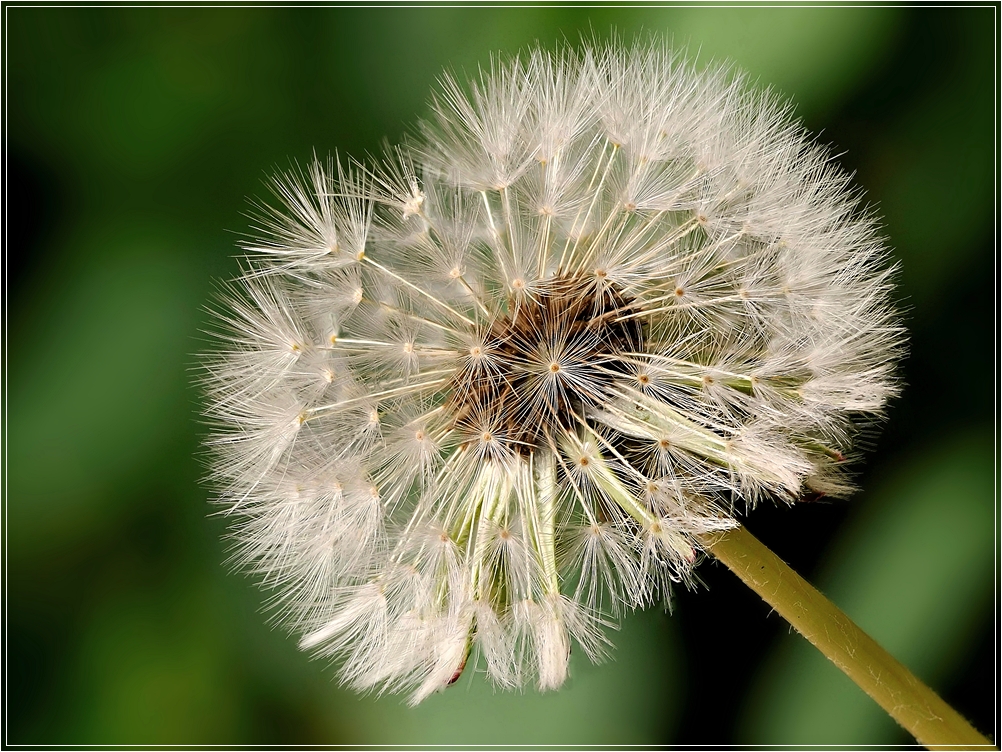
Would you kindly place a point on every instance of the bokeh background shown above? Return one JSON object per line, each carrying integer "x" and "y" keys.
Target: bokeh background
{"x": 135, "y": 137}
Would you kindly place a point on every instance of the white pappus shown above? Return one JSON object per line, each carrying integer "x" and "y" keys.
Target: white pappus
{"x": 472, "y": 402}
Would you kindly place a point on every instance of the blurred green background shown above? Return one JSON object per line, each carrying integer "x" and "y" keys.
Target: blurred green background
{"x": 135, "y": 137}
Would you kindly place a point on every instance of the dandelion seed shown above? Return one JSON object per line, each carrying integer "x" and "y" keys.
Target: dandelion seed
{"x": 472, "y": 404}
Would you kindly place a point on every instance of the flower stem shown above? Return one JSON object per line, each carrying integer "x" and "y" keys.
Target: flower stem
{"x": 906, "y": 699}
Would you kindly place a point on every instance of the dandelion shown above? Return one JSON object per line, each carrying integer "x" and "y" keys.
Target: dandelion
{"x": 474, "y": 402}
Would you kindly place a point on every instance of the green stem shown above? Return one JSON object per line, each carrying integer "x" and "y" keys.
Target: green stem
{"x": 906, "y": 699}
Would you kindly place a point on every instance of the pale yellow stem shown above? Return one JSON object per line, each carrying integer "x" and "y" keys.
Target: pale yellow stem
{"x": 918, "y": 709}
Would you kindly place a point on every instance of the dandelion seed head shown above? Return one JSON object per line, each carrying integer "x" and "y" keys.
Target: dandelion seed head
{"x": 472, "y": 404}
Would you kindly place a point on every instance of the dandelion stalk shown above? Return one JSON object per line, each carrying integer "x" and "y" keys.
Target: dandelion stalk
{"x": 919, "y": 710}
